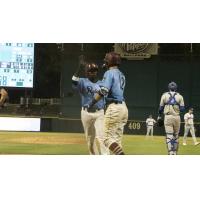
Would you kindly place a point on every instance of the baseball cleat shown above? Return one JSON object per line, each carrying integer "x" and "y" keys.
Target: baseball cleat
{"x": 184, "y": 144}
{"x": 197, "y": 143}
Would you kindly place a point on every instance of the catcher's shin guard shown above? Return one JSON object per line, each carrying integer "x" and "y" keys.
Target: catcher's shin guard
{"x": 172, "y": 143}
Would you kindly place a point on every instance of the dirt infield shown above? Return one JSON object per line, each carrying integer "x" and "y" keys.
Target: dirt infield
{"x": 42, "y": 139}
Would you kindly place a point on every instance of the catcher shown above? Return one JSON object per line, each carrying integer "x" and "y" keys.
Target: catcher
{"x": 171, "y": 104}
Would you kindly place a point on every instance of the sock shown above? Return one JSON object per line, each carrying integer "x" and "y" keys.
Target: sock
{"x": 116, "y": 149}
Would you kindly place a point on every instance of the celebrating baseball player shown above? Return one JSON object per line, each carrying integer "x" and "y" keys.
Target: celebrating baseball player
{"x": 171, "y": 104}
{"x": 92, "y": 120}
{"x": 189, "y": 126}
{"x": 116, "y": 115}
{"x": 150, "y": 123}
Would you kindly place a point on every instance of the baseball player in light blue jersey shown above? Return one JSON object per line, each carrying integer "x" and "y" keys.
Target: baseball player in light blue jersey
{"x": 92, "y": 120}
{"x": 116, "y": 115}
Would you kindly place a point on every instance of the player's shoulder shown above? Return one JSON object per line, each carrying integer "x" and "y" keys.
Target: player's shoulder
{"x": 179, "y": 95}
{"x": 99, "y": 82}
{"x": 165, "y": 94}
{"x": 107, "y": 75}
{"x": 83, "y": 79}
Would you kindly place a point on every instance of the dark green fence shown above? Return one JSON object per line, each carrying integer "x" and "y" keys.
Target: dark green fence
{"x": 146, "y": 80}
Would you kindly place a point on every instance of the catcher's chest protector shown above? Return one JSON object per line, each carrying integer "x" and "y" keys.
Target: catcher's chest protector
{"x": 172, "y": 101}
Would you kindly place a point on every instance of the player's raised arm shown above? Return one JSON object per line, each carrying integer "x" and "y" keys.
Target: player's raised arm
{"x": 75, "y": 77}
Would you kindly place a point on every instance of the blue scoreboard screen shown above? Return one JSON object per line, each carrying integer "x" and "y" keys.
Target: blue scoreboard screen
{"x": 16, "y": 65}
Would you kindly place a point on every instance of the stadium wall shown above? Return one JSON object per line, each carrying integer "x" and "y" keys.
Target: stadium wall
{"x": 133, "y": 127}
{"x": 146, "y": 80}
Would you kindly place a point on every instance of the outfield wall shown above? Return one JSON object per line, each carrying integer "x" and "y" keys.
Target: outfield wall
{"x": 133, "y": 127}
{"x": 70, "y": 125}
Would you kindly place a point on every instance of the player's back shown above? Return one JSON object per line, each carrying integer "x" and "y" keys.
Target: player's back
{"x": 172, "y": 101}
{"x": 114, "y": 81}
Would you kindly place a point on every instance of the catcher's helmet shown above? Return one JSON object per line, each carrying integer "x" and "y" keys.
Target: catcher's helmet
{"x": 112, "y": 59}
{"x": 172, "y": 86}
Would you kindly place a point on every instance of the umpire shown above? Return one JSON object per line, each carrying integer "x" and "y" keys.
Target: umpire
{"x": 171, "y": 104}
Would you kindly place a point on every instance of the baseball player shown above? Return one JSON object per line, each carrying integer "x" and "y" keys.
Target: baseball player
{"x": 4, "y": 97}
{"x": 92, "y": 120}
{"x": 116, "y": 115}
{"x": 171, "y": 104}
{"x": 189, "y": 126}
{"x": 150, "y": 123}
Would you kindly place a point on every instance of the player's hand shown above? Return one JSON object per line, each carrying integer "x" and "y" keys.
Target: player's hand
{"x": 160, "y": 121}
{"x": 159, "y": 117}
{"x": 87, "y": 107}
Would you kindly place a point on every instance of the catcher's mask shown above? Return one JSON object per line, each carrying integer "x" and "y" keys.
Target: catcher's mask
{"x": 172, "y": 86}
{"x": 91, "y": 70}
{"x": 112, "y": 59}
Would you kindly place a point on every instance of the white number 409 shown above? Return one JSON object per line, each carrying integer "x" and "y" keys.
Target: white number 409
{"x": 134, "y": 125}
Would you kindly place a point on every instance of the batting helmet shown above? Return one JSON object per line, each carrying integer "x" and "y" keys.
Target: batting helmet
{"x": 112, "y": 59}
{"x": 172, "y": 86}
{"x": 91, "y": 69}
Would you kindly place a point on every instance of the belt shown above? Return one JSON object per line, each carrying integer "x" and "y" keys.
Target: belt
{"x": 115, "y": 101}
{"x": 92, "y": 110}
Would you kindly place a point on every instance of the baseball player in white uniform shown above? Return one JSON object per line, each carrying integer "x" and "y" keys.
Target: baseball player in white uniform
{"x": 171, "y": 104}
{"x": 150, "y": 124}
{"x": 189, "y": 127}
{"x": 92, "y": 120}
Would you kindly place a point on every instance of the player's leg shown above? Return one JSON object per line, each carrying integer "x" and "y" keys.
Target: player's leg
{"x": 171, "y": 139}
{"x": 89, "y": 129}
{"x": 110, "y": 128}
{"x": 99, "y": 127}
{"x": 192, "y": 131}
{"x": 91, "y": 140}
{"x": 177, "y": 124}
{"x": 151, "y": 131}
{"x": 115, "y": 118}
{"x": 148, "y": 131}
{"x": 122, "y": 120}
{"x": 186, "y": 131}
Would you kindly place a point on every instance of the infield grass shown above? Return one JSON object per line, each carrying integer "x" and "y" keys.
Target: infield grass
{"x": 37, "y": 143}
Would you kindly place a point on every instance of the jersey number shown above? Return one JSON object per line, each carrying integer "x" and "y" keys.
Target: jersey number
{"x": 122, "y": 82}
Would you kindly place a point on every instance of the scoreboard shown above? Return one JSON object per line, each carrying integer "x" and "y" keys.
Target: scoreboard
{"x": 16, "y": 65}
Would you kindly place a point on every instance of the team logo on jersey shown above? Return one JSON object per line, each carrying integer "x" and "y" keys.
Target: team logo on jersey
{"x": 91, "y": 90}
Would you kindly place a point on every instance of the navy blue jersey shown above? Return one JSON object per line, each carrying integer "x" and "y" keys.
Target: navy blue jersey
{"x": 87, "y": 91}
{"x": 113, "y": 83}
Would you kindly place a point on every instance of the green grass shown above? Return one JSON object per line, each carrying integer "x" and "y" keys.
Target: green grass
{"x": 139, "y": 145}
{"x": 75, "y": 144}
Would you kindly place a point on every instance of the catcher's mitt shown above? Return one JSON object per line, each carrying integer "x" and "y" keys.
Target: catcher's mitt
{"x": 160, "y": 122}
